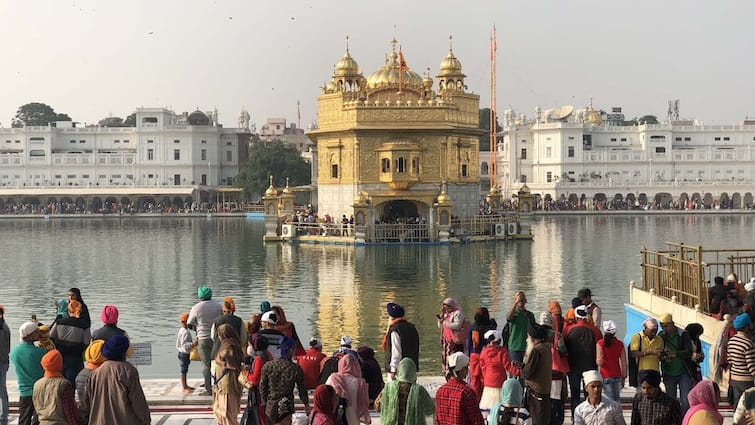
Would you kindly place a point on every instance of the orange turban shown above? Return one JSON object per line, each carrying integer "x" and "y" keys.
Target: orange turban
{"x": 184, "y": 317}
{"x": 74, "y": 308}
{"x": 229, "y": 304}
{"x": 52, "y": 363}
{"x": 93, "y": 354}
{"x": 554, "y": 307}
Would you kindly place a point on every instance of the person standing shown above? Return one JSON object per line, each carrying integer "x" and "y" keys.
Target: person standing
{"x": 94, "y": 359}
{"x": 226, "y": 318}
{"x": 71, "y": 337}
{"x": 202, "y": 315}
{"x": 581, "y": 340}
{"x": 226, "y": 398}
{"x": 645, "y": 347}
{"x": 651, "y": 406}
{"x": 401, "y": 340}
{"x": 116, "y": 396}
{"x": 612, "y": 360}
{"x": 678, "y": 353}
{"x": 279, "y": 377}
{"x": 4, "y": 364}
{"x": 455, "y": 401}
{"x": 403, "y": 401}
{"x": 350, "y": 385}
{"x": 519, "y": 318}
{"x": 109, "y": 317}
{"x": 450, "y": 320}
{"x": 495, "y": 367}
{"x": 26, "y": 358}
{"x": 596, "y": 409}
{"x": 594, "y": 313}
{"x": 184, "y": 344}
{"x": 371, "y": 372}
{"x": 53, "y": 396}
{"x": 537, "y": 374}
{"x": 740, "y": 353}
{"x": 704, "y": 399}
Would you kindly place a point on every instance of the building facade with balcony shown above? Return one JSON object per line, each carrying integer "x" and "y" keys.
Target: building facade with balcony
{"x": 589, "y": 156}
{"x": 163, "y": 150}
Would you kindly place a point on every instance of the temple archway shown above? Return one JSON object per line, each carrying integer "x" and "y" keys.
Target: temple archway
{"x": 663, "y": 200}
{"x": 707, "y": 200}
{"x": 736, "y": 200}
{"x": 747, "y": 200}
{"x": 723, "y": 201}
{"x": 400, "y": 210}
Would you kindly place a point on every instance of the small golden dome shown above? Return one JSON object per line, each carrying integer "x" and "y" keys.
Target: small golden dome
{"x": 592, "y": 116}
{"x": 271, "y": 191}
{"x": 450, "y": 65}
{"x": 444, "y": 199}
{"x": 287, "y": 190}
{"x": 388, "y": 74}
{"x": 347, "y": 65}
{"x": 524, "y": 189}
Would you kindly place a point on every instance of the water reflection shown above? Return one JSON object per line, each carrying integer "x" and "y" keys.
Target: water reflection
{"x": 150, "y": 268}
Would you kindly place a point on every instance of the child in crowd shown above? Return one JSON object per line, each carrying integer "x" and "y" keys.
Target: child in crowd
{"x": 184, "y": 344}
{"x": 44, "y": 338}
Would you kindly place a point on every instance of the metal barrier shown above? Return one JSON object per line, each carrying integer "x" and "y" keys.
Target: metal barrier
{"x": 481, "y": 225}
{"x": 403, "y": 233}
{"x": 684, "y": 271}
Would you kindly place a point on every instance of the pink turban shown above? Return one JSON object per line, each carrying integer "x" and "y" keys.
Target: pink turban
{"x": 109, "y": 315}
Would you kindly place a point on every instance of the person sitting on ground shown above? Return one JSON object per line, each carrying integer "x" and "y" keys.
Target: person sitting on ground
{"x": 345, "y": 347}
{"x": 371, "y": 372}
{"x": 310, "y": 363}
{"x": 511, "y": 409}
{"x": 53, "y": 396}
{"x": 403, "y": 401}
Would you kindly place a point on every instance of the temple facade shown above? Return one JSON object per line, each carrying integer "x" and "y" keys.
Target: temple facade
{"x": 397, "y": 142}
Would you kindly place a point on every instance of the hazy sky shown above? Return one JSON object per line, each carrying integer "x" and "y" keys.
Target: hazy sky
{"x": 91, "y": 59}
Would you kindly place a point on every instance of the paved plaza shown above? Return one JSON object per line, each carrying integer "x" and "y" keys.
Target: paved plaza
{"x": 170, "y": 407}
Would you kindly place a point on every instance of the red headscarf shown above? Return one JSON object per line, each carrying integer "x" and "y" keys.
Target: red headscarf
{"x": 324, "y": 399}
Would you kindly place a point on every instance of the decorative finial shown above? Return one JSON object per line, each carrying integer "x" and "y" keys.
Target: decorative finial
{"x": 451, "y": 44}
{"x": 591, "y": 102}
{"x": 271, "y": 180}
{"x": 347, "y": 44}
{"x": 286, "y": 182}
{"x": 393, "y": 43}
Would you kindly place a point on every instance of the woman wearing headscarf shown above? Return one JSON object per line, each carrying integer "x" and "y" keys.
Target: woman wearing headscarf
{"x": 371, "y": 372}
{"x": 703, "y": 405}
{"x": 94, "y": 359}
{"x": 611, "y": 357}
{"x": 450, "y": 320}
{"x": 288, "y": 329}
{"x": 74, "y": 294}
{"x": 325, "y": 402}
{"x": 116, "y": 396}
{"x": 53, "y": 396}
{"x": 252, "y": 375}
{"x": 350, "y": 386}
{"x": 226, "y": 397}
{"x": 695, "y": 330}
{"x": 71, "y": 337}
{"x": 510, "y": 411}
{"x": 255, "y": 323}
{"x": 403, "y": 401}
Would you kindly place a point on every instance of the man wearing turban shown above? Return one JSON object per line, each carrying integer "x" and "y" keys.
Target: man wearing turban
{"x": 115, "y": 393}
{"x": 537, "y": 373}
{"x": 652, "y": 406}
{"x": 53, "y": 396}
{"x": 201, "y": 317}
{"x": 401, "y": 340}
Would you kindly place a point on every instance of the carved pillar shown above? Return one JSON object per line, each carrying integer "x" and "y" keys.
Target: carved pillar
{"x": 270, "y": 205}
{"x": 443, "y": 210}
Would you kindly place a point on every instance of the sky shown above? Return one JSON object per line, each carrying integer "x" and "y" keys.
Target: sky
{"x": 92, "y": 58}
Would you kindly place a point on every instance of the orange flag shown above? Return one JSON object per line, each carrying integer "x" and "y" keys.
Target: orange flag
{"x": 402, "y": 63}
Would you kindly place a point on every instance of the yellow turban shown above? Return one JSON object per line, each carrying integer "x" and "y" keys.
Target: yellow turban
{"x": 93, "y": 354}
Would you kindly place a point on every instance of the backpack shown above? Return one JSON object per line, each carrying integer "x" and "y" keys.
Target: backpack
{"x": 505, "y": 334}
{"x": 328, "y": 368}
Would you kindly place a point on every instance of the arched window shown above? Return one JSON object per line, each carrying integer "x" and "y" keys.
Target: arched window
{"x": 400, "y": 164}
{"x": 385, "y": 165}
{"x": 484, "y": 168}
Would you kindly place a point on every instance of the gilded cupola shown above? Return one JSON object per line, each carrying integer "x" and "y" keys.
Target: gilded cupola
{"x": 450, "y": 77}
{"x": 394, "y": 73}
{"x": 346, "y": 75}
{"x": 592, "y": 116}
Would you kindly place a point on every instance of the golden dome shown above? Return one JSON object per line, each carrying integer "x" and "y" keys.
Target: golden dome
{"x": 524, "y": 189}
{"x": 450, "y": 64}
{"x": 287, "y": 190}
{"x": 444, "y": 199}
{"x": 271, "y": 191}
{"x": 347, "y": 65}
{"x": 592, "y": 116}
{"x": 388, "y": 74}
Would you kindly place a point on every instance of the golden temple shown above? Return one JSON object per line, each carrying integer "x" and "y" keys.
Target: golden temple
{"x": 394, "y": 142}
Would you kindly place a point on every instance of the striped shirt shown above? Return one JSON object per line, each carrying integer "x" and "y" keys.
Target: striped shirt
{"x": 740, "y": 353}
{"x": 607, "y": 412}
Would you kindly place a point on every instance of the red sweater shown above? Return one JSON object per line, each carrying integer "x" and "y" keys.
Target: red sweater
{"x": 611, "y": 355}
{"x": 310, "y": 365}
{"x": 494, "y": 363}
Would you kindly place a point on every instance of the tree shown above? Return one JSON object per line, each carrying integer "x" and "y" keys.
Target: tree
{"x": 130, "y": 121}
{"x": 485, "y": 125}
{"x": 274, "y": 159}
{"x": 647, "y": 119}
{"x": 111, "y": 122}
{"x": 37, "y": 114}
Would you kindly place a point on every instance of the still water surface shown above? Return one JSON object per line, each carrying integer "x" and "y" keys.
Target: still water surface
{"x": 150, "y": 269}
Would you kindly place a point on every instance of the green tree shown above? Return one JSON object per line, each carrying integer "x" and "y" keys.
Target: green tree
{"x": 485, "y": 125}
{"x": 647, "y": 119}
{"x": 130, "y": 121}
{"x": 111, "y": 122}
{"x": 274, "y": 159}
{"x": 37, "y": 114}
